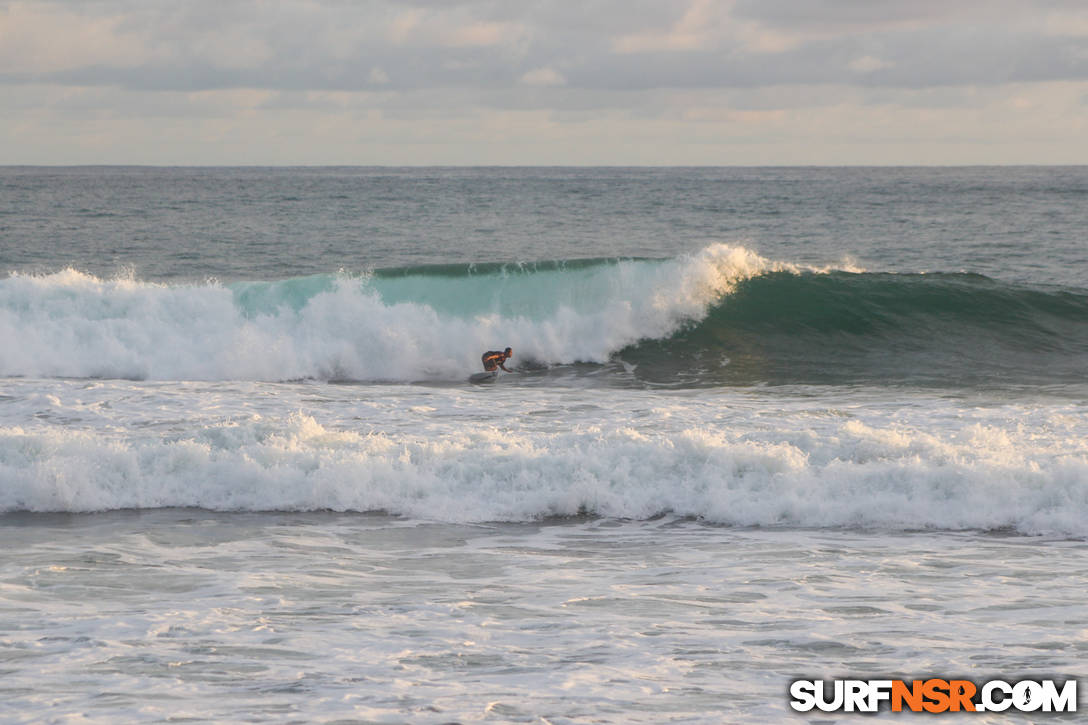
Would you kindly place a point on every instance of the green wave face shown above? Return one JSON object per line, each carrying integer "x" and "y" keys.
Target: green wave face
{"x": 536, "y": 291}
{"x": 861, "y": 328}
{"x": 268, "y": 298}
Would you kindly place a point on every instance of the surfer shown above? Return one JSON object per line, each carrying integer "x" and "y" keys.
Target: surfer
{"x": 493, "y": 360}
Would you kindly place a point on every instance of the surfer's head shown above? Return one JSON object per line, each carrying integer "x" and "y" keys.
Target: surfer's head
{"x": 508, "y": 352}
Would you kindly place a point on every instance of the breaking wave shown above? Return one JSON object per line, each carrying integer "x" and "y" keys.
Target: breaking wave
{"x": 724, "y": 315}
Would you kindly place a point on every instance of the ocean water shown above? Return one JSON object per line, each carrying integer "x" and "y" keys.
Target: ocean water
{"x": 762, "y": 424}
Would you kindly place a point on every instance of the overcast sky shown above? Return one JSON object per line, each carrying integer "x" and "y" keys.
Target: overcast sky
{"x": 544, "y": 82}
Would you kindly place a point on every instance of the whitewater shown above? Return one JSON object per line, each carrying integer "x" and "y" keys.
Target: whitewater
{"x": 721, "y": 458}
{"x": 393, "y": 327}
{"x": 587, "y": 324}
{"x": 762, "y": 425}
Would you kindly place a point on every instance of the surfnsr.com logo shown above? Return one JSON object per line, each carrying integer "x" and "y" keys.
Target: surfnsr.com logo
{"x": 933, "y": 695}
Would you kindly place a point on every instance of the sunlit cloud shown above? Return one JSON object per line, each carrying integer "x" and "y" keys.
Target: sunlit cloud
{"x": 694, "y": 30}
{"x": 867, "y": 64}
{"x": 543, "y": 77}
{"x": 482, "y": 35}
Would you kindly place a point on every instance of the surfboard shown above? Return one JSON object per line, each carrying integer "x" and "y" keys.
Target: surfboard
{"x": 483, "y": 377}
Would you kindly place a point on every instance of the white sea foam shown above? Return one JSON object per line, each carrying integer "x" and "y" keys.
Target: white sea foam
{"x": 71, "y": 324}
{"x": 832, "y": 473}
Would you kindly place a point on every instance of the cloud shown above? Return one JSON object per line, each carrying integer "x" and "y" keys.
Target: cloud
{"x": 43, "y": 38}
{"x": 694, "y": 30}
{"x": 482, "y": 35}
{"x": 566, "y": 66}
{"x": 404, "y": 24}
{"x": 543, "y": 77}
{"x": 867, "y": 64}
{"x": 612, "y": 45}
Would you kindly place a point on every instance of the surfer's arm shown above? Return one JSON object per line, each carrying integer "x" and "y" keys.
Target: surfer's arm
{"x": 503, "y": 367}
